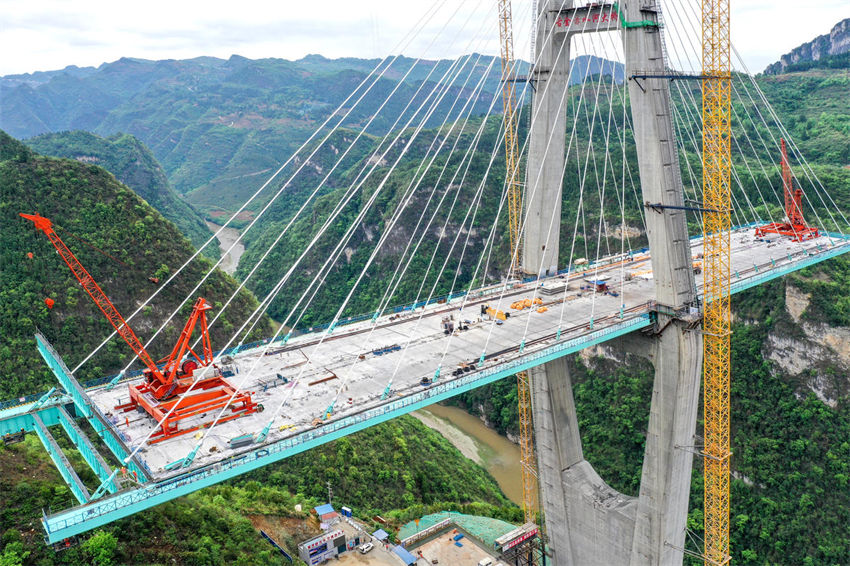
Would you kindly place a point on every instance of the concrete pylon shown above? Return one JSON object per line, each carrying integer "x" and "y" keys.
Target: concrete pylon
{"x": 587, "y": 521}
{"x": 544, "y": 173}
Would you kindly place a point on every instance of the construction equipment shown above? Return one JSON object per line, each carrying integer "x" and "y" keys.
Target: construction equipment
{"x": 495, "y": 314}
{"x": 794, "y": 224}
{"x": 162, "y": 392}
{"x": 717, "y": 262}
{"x": 511, "y": 153}
{"x": 526, "y": 441}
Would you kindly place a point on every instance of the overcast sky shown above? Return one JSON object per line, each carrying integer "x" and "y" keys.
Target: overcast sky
{"x": 40, "y": 35}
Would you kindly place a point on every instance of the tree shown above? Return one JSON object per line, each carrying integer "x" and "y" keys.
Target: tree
{"x": 13, "y": 554}
{"x": 101, "y": 548}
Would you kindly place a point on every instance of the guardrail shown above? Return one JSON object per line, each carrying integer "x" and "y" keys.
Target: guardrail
{"x": 425, "y": 533}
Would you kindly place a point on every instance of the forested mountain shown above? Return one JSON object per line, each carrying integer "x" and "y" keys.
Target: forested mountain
{"x": 221, "y": 127}
{"x": 120, "y": 239}
{"x": 133, "y": 164}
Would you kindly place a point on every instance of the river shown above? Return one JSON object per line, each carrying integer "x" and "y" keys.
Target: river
{"x": 483, "y": 445}
{"x": 225, "y": 239}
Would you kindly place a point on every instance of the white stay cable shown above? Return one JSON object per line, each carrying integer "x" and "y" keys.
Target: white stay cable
{"x": 196, "y": 381}
{"x": 359, "y": 218}
{"x": 403, "y": 42}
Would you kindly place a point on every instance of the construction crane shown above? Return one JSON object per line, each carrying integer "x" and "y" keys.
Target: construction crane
{"x": 511, "y": 153}
{"x": 159, "y": 393}
{"x": 526, "y": 433}
{"x": 794, "y": 225}
{"x": 717, "y": 316}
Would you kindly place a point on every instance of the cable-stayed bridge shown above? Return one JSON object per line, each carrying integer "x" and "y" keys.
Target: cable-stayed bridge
{"x": 410, "y": 345}
{"x": 634, "y": 267}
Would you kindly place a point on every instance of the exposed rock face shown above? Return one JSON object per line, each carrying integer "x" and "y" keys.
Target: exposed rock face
{"x": 815, "y": 356}
{"x": 837, "y": 41}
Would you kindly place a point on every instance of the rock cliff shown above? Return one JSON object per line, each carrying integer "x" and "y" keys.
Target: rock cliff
{"x": 836, "y": 42}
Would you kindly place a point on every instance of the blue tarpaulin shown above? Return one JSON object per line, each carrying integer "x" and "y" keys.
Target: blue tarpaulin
{"x": 324, "y": 509}
{"x": 404, "y": 555}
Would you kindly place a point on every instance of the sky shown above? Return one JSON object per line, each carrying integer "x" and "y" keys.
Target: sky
{"x": 46, "y": 35}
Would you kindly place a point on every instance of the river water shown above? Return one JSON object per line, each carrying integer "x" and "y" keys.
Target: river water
{"x": 483, "y": 445}
{"x": 225, "y": 239}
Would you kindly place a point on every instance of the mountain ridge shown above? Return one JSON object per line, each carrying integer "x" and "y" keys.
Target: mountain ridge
{"x": 823, "y": 47}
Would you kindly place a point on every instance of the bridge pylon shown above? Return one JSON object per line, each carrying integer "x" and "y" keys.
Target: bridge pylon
{"x": 588, "y": 522}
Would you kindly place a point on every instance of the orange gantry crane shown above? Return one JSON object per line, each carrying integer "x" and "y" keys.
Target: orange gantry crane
{"x": 794, "y": 224}
{"x": 164, "y": 392}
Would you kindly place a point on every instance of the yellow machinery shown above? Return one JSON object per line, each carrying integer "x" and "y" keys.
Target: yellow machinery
{"x": 716, "y": 112}
{"x": 496, "y": 314}
{"x": 526, "y": 439}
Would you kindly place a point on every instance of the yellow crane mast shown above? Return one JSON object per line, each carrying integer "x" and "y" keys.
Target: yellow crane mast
{"x": 716, "y": 111}
{"x": 526, "y": 438}
{"x": 511, "y": 152}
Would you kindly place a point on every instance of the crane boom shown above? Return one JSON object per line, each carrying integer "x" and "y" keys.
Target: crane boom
{"x": 170, "y": 395}
{"x": 511, "y": 153}
{"x": 526, "y": 440}
{"x": 95, "y": 292}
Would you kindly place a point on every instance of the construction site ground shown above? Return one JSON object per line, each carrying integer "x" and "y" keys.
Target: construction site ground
{"x": 378, "y": 556}
{"x": 443, "y": 549}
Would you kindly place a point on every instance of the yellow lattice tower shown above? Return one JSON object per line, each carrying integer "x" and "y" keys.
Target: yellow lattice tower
{"x": 511, "y": 153}
{"x": 716, "y": 111}
{"x": 526, "y": 438}
{"x": 526, "y": 447}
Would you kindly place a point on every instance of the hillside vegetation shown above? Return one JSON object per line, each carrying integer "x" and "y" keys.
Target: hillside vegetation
{"x": 221, "y": 127}
{"x": 133, "y": 164}
{"x": 134, "y": 243}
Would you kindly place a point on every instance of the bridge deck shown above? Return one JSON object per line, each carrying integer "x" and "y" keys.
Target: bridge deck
{"x": 321, "y": 367}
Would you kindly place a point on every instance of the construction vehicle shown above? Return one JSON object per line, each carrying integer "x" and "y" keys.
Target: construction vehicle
{"x": 794, "y": 224}
{"x": 164, "y": 392}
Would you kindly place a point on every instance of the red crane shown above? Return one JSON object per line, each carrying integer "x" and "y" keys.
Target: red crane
{"x": 160, "y": 390}
{"x": 794, "y": 225}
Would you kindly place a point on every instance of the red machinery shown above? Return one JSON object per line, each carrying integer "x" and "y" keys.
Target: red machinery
{"x": 161, "y": 389}
{"x": 794, "y": 225}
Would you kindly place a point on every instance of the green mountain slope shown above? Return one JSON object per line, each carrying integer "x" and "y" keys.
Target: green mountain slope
{"x": 132, "y": 163}
{"x": 220, "y": 127}
{"x": 86, "y": 201}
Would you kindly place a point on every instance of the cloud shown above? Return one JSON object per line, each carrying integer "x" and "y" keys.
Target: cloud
{"x": 50, "y": 34}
